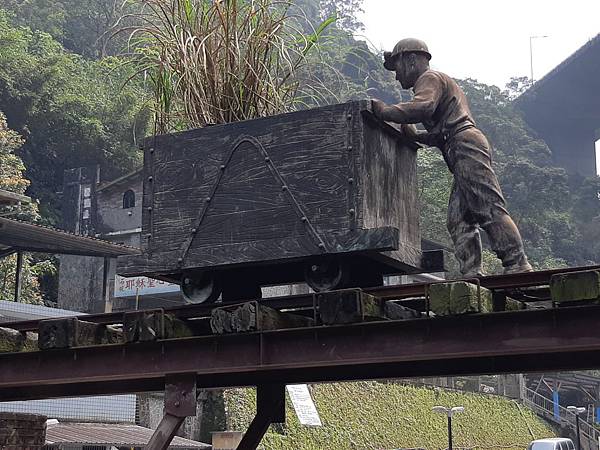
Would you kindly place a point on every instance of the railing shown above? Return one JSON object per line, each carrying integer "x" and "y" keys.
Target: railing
{"x": 542, "y": 404}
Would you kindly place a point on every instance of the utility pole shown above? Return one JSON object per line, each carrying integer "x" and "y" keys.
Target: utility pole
{"x": 531, "y": 38}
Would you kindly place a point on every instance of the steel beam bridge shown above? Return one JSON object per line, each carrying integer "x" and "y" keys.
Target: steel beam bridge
{"x": 520, "y": 341}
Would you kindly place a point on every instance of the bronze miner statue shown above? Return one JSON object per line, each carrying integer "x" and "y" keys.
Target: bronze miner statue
{"x": 476, "y": 200}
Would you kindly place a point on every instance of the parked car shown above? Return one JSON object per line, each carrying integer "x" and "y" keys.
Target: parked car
{"x": 551, "y": 444}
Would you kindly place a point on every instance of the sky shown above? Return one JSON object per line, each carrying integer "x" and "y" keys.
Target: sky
{"x": 487, "y": 39}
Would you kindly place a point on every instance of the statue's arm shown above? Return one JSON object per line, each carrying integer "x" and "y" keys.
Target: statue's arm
{"x": 421, "y": 136}
{"x": 428, "y": 92}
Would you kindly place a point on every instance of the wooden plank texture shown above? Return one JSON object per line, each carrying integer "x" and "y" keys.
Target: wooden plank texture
{"x": 575, "y": 286}
{"x": 459, "y": 297}
{"x": 150, "y": 325}
{"x": 253, "y": 316}
{"x": 16, "y": 341}
{"x": 353, "y": 306}
{"x": 71, "y": 332}
{"x": 274, "y": 250}
{"x": 326, "y": 180}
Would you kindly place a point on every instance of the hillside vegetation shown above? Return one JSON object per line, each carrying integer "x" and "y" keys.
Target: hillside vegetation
{"x": 374, "y": 415}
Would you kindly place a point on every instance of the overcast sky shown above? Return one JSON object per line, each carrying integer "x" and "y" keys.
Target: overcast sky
{"x": 487, "y": 39}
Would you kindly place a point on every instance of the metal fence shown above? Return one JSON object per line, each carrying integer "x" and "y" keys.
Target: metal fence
{"x": 107, "y": 409}
{"x": 545, "y": 406}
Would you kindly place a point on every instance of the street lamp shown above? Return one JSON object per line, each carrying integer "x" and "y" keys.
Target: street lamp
{"x": 531, "y": 38}
{"x": 448, "y": 412}
{"x": 577, "y": 410}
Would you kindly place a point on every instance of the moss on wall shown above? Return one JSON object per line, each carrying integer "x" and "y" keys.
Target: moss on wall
{"x": 374, "y": 415}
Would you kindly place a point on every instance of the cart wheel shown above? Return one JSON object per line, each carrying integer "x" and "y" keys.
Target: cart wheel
{"x": 325, "y": 274}
{"x": 200, "y": 287}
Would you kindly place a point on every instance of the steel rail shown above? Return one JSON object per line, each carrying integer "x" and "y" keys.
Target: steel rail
{"x": 507, "y": 342}
{"x": 395, "y": 292}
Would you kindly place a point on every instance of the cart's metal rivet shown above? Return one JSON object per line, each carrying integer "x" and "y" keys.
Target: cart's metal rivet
{"x": 267, "y": 159}
{"x": 350, "y": 180}
{"x": 321, "y": 245}
{"x": 194, "y": 231}
{"x": 150, "y": 178}
{"x": 349, "y": 148}
{"x": 179, "y": 260}
{"x": 352, "y": 212}
{"x": 349, "y": 117}
{"x": 208, "y": 199}
{"x": 284, "y": 188}
{"x": 222, "y": 166}
{"x": 149, "y": 208}
{"x": 304, "y": 219}
{"x": 151, "y": 150}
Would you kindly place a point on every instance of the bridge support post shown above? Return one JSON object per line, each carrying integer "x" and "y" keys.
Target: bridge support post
{"x": 270, "y": 408}
{"x": 180, "y": 402}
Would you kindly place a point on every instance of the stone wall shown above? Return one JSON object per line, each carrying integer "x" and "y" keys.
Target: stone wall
{"x": 20, "y": 431}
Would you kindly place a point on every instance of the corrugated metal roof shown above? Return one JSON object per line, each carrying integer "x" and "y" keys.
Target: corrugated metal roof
{"x": 37, "y": 238}
{"x": 11, "y": 198}
{"x": 109, "y": 434}
{"x": 11, "y": 312}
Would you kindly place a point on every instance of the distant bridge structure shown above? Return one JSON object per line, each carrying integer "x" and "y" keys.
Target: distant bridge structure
{"x": 564, "y": 109}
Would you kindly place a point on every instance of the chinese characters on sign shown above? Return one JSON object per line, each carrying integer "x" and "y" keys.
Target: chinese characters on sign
{"x": 130, "y": 287}
{"x": 304, "y": 405}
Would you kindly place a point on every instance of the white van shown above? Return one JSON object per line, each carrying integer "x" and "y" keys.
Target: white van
{"x": 551, "y": 444}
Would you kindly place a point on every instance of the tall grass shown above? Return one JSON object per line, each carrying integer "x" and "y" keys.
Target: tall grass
{"x": 219, "y": 61}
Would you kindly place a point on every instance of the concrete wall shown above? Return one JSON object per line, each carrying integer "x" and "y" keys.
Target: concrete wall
{"x": 210, "y": 414}
{"x": 80, "y": 284}
{"x": 111, "y": 216}
{"x": 99, "y": 213}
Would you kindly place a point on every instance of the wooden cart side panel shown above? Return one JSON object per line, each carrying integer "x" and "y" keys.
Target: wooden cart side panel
{"x": 388, "y": 184}
{"x": 307, "y": 153}
{"x": 147, "y": 196}
{"x": 268, "y": 251}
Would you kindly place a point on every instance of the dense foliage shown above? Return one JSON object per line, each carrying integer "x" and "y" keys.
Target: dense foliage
{"x": 84, "y": 27}
{"x": 373, "y": 415}
{"x": 72, "y": 112}
{"x": 212, "y": 62}
{"x": 12, "y": 179}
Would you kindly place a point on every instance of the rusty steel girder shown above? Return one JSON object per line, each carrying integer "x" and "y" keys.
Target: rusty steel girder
{"x": 522, "y": 341}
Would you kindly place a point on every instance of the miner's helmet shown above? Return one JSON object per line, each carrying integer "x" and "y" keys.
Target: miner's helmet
{"x": 408, "y": 45}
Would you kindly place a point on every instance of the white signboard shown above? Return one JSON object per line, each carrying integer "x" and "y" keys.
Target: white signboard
{"x": 304, "y": 405}
{"x": 130, "y": 287}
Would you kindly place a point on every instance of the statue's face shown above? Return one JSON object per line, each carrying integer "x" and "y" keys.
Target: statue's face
{"x": 404, "y": 73}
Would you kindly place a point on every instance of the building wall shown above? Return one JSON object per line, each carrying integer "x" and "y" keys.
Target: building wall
{"x": 97, "y": 212}
{"x": 112, "y": 217}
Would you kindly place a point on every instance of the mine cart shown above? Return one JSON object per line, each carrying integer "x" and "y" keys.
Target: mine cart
{"x": 327, "y": 196}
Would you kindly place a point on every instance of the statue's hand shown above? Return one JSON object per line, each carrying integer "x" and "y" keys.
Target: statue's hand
{"x": 378, "y": 108}
{"x": 409, "y": 130}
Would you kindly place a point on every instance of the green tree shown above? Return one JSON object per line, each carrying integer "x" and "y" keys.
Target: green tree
{"x": 13, "y": 180}
{"x": 83, "y": 26}
{"x": 347, "y": 12}
{"x": 71, "y": 111}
